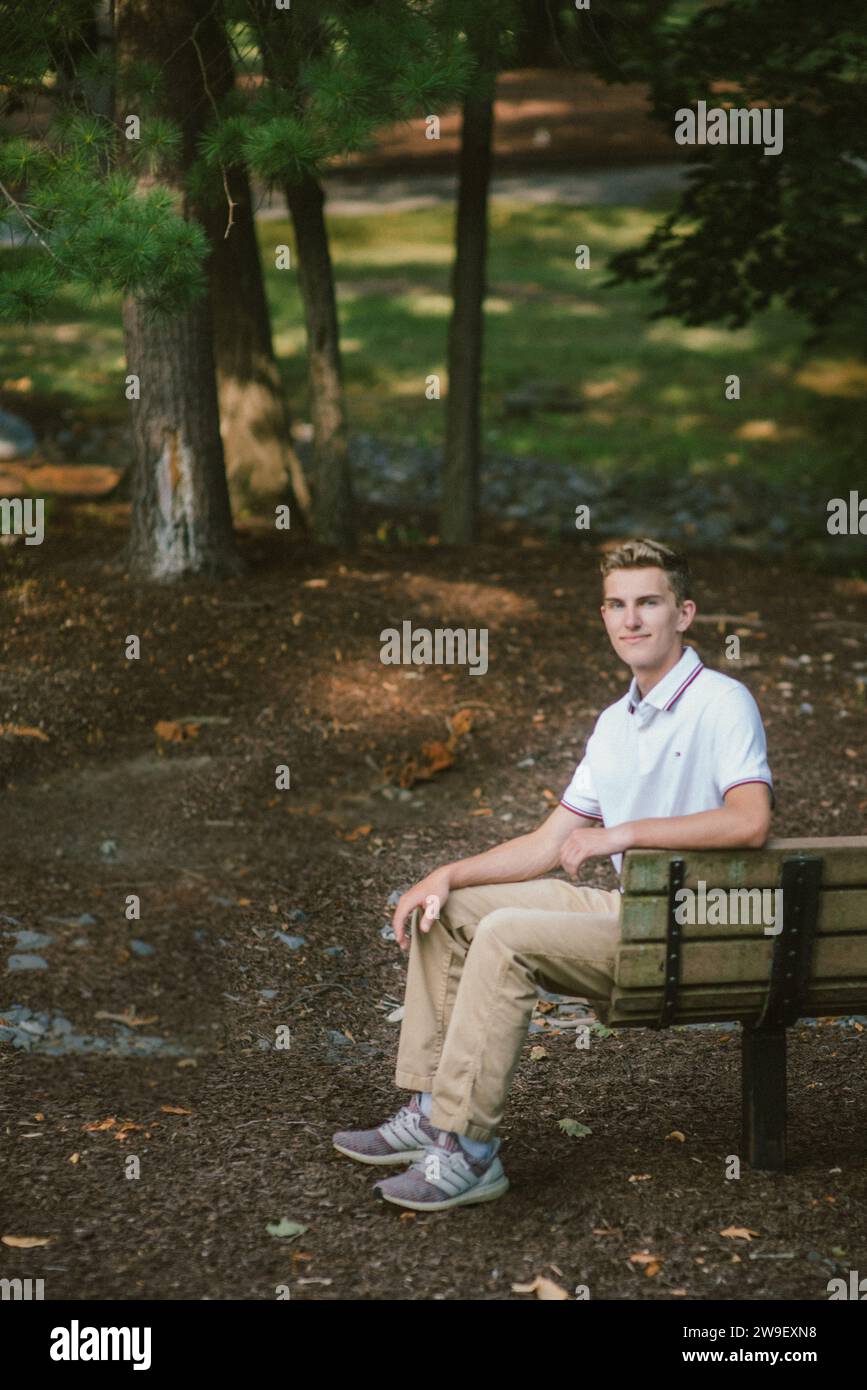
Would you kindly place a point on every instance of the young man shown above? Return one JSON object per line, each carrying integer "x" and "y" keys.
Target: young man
{"x": 679, "y": 762}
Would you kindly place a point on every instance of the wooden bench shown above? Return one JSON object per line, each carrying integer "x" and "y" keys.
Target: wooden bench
{"x": 668, "y": 972}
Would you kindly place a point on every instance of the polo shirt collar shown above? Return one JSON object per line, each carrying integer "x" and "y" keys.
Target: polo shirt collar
{"x": 668, "y": 691}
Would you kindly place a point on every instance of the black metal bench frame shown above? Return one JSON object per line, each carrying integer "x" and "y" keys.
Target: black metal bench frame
{"x": 763, "y": 1042}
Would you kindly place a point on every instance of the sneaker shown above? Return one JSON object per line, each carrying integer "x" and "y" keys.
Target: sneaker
{"x": 446, "y": 1176}
{"x": 406, "y": 1136}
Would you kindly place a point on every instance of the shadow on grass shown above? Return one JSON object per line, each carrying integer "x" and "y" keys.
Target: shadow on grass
{"x": 642, "y": 397}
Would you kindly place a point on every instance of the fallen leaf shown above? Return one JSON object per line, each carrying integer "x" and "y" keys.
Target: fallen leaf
{"x": 607, "y": 1231}
{"x": 124, "y": 1129}
{"x": 678, "y": 1135}
{"x": 542, "y": 1288}
{"x": 600, "y": 1031}
{"x": 101, "y": 1124}
{"x": 73, "y": 1158}
{"x": 175, "y": 1110}
{"x": 538, "y": 1054}
{"x": 359, "y": 830}
{"x": 574, "y": 1128}
{"x": 739, "y": 1233}
{"x": 172, "y": 731}
{"x": 129, "y": 1018}
{"x": 287, "y": 1229}
{"x": 461, "y": 722}
{"x": 439, "y": 755}
{"x": 26, "y": 1242}
{"x": 641, "y": 1177}
{"x": 23, "y": 731}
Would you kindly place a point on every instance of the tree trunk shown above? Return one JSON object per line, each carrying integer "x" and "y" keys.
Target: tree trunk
{"x": 181, "y": 518}
{"x": 460, "y": 500}
{"x": 99, "y": 90}
{"x": 255, "y": 421}
{"x": 538, "y": 35}
{"x": 333, "y": 503}
{"x": 261, "y": 462}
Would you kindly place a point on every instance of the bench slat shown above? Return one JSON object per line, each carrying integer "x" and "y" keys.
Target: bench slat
{"x": 845, "y": 864}
{"x": 640, "y": 963}
{"x": 645, "y": 918}
{"x": 711, "y": 1003}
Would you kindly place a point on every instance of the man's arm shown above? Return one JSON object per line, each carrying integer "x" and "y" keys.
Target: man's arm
{"x": 742, "y": 823}
{"x": 514, "y": 861}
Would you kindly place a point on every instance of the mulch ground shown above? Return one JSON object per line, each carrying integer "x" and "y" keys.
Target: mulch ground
{"x": 282, "y": 666}
{"x": 543, "y": 118}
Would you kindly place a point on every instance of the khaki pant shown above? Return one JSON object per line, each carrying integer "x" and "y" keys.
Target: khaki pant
{"x": 472, "y": 986}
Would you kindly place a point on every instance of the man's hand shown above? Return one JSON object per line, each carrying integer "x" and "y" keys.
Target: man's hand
{"x": 589, "y": 843}
{"x": 430, "y": 895}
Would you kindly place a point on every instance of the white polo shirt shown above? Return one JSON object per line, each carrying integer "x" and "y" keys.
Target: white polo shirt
{"x": 696, "y": 735}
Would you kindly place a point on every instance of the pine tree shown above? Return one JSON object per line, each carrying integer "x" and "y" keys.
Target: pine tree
{"x": 77, "y": 49}
{"x": 64, "y": 191}
{"x": 255, "y": 422}
{"x": 337, "y": 72}
{"x": 109, "y": 213}
{"x": 181, "y": 517}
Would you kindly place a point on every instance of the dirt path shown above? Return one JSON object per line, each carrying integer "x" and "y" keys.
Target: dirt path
{"x": 263, "y": 910}
{"x": 357, "y": 196}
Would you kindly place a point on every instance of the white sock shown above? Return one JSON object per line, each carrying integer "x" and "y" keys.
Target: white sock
{"x": 476, "y": 1148}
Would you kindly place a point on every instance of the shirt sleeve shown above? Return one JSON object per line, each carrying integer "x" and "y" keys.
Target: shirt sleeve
{"x": 739, "y": 746}
{"x": 580, "y": 795}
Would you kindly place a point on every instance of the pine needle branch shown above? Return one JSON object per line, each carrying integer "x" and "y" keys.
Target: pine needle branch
{"x": 229, "y": 199}
{"x": 31, "y": 225}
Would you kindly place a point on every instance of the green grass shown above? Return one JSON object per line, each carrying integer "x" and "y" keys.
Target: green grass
{"x": 653, "y": 392}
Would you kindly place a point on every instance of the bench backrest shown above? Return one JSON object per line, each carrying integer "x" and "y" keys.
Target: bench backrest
{"x": 727, "y": 953}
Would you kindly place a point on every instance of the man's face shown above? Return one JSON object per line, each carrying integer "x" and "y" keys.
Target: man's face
{"x": 642, "y": 617}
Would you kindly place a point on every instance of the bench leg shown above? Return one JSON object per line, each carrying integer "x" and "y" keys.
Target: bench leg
{"x": 764, "y": 1097}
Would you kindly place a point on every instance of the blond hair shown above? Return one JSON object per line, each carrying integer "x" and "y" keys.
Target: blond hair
{"x": 642, "y": 553}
